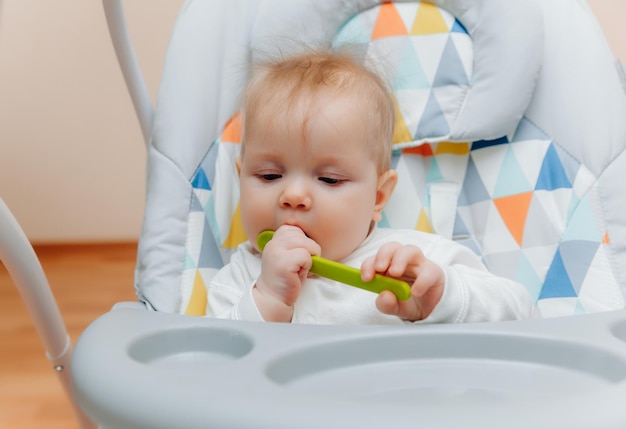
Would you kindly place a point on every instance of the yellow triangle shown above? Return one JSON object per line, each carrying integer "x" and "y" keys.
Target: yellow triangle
{"x": 429, "y": 20}
{"x": 401, "y": 132}
{"x": 236, "y": 235}
{"x": 198, "y": 299}
{"x": 452, "y": 148}
{"x": 423, "y": 224}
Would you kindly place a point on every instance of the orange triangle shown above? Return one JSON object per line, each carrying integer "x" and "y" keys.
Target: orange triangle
{"x": 514, "y": 210}
{"x": 423, "y": 150}
{"x": 389, "y": 22}
{"x": 605, "y": 239}
{"x": 232, "y": 130}
{"x": 428, "y": 20}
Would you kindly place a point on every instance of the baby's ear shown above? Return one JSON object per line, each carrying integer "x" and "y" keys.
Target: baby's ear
{"x": 386, "y": 184}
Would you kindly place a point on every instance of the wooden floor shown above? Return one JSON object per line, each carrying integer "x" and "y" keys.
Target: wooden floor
{"x": 86, "y": 280}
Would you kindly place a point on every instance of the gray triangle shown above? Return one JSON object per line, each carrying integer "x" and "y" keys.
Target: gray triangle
{"x": 539, "y": 229}
{"x": 450, "y": 70}
{"x": 476, "y": 217}
{"x": 473, "y": 188}
{"x": 196, "y": 206}
{"x": 209, "y": 253}
{"x": 209, "y": 162}
{"x": 526, "y": 130}
{"x": 433, "y": 122}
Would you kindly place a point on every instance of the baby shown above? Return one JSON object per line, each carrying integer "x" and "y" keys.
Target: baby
{"x": 315, "y": 167}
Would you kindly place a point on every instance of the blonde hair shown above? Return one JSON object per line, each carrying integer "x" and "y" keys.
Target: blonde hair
{"x": 280, "y": 84}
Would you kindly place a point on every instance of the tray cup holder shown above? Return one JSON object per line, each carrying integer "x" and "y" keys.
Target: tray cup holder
{"x": 190, "y": 347}
{"x": 441, "y": 367}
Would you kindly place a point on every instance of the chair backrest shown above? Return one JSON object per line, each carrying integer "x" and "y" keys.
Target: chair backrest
{"x": 501, "y": 143}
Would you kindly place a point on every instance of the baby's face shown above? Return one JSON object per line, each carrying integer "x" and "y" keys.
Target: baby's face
{"x": 321, "y": 178}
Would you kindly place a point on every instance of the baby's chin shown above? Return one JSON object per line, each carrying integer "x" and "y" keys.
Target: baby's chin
{"x": 333, "y": 253}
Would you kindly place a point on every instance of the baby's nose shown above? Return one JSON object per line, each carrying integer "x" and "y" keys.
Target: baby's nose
{"x": 295, "y": 196}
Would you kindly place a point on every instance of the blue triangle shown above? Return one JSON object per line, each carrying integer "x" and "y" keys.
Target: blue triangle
{"x": 473, "y": 188}
{"x": 457, "y": 27}
{"x": 582, "y": 224}
{"x": 189, "y": 264}
{"x": 580, "y": 309}
{"x": 570, "y": 165}
{"x": 451, "y": 70}
{"x": 511, "y": 179}
{"x": 557, "y": 283}
{"x": 410, "y": 74}
{"x": 352, "y": 32}
{"x": 384, "y": 221}
{"x": 552, "y": 175}
{"x": 527, "y": 276}
{"x": 200, "y": 180}
{"x": 433, "y": 123}
{"x": 481, "y": 144}
{"x": 434, "y": 174}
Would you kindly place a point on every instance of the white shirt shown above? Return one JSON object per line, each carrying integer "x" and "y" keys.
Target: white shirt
{"x": 471, "y": 293}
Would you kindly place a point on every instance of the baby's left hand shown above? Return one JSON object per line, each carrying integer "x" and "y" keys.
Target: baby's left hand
{"x": 408, "y": 263}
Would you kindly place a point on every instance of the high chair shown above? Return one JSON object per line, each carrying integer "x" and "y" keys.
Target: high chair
{"x": 510, "y": 139}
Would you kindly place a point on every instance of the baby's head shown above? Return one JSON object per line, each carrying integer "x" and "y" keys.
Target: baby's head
{"x": 316, "y": 150}
{"x": 288, "y": 92}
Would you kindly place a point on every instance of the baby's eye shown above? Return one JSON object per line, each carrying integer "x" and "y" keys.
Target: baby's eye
{"x": 270, "y": 176}
{"x": 329, "y": 180}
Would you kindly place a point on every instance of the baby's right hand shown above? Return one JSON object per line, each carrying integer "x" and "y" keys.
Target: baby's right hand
{"x": 286, "y": 262}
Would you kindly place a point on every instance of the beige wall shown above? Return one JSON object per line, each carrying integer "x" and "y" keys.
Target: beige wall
{"x": 72, "y": 158}
{"x": 71, "y": 152}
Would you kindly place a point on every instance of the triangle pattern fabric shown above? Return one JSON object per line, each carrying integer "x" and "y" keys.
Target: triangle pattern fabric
{"x": 457, "y": 27}
{"x": 410, "y": 74}
{"x": 552, "y": 175}
{"x": 389, "y": 23}
{"x": 557, "y": 283}
{"x": 422, "y": 52}
{"x": 200, "y": 180}
{"x": 577, "y": 257}
{"x": 198, "y": 299}
{"x": 451, "y": 70}
{"x": 209, "y": 253}
{"x": 514, "y": 210}
{"x": 432, "y": 122}
{"x": 511, "y": 179}
{"x": 354, "y": 32}
{"x": 428, "y": 20}
{"x": 473, "y": 188}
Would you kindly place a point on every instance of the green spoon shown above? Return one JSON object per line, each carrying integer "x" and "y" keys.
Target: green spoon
{"x": 348, "y": 275}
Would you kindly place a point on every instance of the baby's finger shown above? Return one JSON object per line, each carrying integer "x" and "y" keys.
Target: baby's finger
{"x": 404, "y": 257}
{"x": 387, "y": 303}
{"x": 367, "y": 269}
{"x": 384, "y": 256}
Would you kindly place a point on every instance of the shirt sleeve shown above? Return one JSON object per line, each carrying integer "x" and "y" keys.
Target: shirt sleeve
{"x": 471, "y": 292}
{"x": 230, "y": 290}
